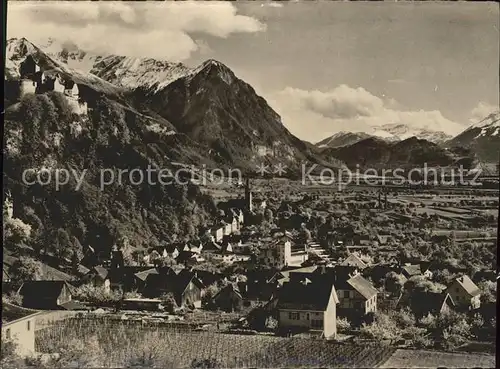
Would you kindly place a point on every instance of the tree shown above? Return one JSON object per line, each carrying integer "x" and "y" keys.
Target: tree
{"x": 418, "y": 337}
{"x": 394, "y": 282}
{"x": 168, "y": 301}
{"x": 25, "y": 269}
{"x": 16, "y": 232}
{"x": 305, "y": 234}
{"x": 209, "y": 294}
{"x": 421, "y": 284}
{"x": 428, "y": 321}
{"x": 62, "y": 244}
{"x": 166, "y": 261}
{"x": 382, "y": 328}
{"x": 75, "y": 262}
{"x": 488, "y": 291}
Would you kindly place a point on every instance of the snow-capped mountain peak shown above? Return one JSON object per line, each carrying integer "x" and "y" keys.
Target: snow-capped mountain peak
{"x": 342, "y": 138}
{"x": 483, "y": 137}
{"x": 399, "y": 132}
{"x": 490, "y": 121}
{"x": 130, "y": 72}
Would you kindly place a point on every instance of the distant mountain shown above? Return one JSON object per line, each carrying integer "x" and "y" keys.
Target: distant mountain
{"x": 133, "y": 73}
{"x": 212, "y": 106}
{"x": 70, "y": 54}
{"x": 342, "y": 139}
{"x": 378, "y": 153}
{"x": 398, "y": 132}
{"x": 482, "y": 137}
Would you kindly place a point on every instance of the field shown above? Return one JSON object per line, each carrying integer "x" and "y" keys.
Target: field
{"x": 432, "y": 359}
{"x": 121, "y": 344}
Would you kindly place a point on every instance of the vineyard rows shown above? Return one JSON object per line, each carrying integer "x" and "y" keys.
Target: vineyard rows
{"x": 122, "y": 342}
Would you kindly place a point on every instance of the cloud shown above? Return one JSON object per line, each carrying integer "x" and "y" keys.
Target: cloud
{"x": 482, "y": 110}
{"x": 314, "y": 115}
{"x": 159, "y": 30}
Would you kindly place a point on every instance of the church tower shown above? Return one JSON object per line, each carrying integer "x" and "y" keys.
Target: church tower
{"x": 248, "y": 195}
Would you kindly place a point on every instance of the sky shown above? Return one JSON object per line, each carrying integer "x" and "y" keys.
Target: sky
{"x": 323, "y": 66}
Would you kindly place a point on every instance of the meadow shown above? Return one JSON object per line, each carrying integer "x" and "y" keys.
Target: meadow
{"x": 426, "y": 359}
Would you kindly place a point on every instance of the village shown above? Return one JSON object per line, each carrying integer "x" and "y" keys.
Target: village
{"x": 316, "y": 265}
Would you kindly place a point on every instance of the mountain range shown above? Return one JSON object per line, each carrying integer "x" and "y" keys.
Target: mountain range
{"x": 412, "y": 152}
{"x": 480, "y": 143}
{"x": 217, "y": 118}
{"x": 208, "y": 104}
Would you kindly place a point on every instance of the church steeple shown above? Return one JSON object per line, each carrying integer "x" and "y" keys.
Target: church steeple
{"x": 248, "y": 195}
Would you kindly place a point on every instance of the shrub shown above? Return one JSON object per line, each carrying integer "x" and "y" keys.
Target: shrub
{"x": 404, "y": 318}
{"x": 8, "y": 355}
{"x": 211, "y": 363}
{"x": 96, "y": 295}
{"x": 428, "y": 321}
{"x": 343, "y": 325}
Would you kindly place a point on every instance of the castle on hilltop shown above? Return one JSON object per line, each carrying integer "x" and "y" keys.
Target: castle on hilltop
{"x": 33, "y": 79}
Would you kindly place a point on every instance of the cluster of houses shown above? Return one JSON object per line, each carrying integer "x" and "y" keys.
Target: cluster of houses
{"x": 277, "y": 274}
{"x": 302, "y": 298}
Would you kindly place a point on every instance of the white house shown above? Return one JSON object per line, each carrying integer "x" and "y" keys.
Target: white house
{"x": 18, "y": 325}
{"x": 308, "y": 305}
{"x": 277, "y": 253}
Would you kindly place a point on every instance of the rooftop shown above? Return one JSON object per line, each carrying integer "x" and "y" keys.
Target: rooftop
{"x": 313, "y": 295}
{"x": 12, "y": 313}
{"x": 468, "y": 285}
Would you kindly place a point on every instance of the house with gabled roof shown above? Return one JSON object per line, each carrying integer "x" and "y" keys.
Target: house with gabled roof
{"x": 217, "y": 232}
{"x": 355, "y": 261}
{"x": 45, "y": 295}
{"x": 228, "y": 299}
{"x": 357, "y": 296}
{"x": 98, "y": 276}
{"x": 308, "y": 305}
{"x": 411, "y": 270}
{"x": 211, "y": 247}
{"x": 435, "y": 303}
{"x": 185, "y": 286}
{"x": 284, "y": 276}
{"x": 140, "y": 277}
{"x": 464, "y": 292}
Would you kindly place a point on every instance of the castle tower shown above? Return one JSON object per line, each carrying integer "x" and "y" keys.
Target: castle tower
{"x": 248, "y": 195}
